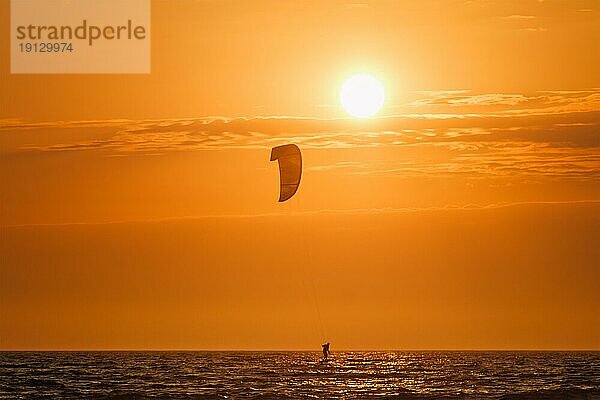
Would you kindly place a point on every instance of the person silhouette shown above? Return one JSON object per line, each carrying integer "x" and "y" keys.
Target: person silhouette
{"x": 326, "y": 351}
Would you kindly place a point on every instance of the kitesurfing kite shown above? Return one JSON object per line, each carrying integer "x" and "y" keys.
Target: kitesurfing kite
{"x": 290, "y": 169}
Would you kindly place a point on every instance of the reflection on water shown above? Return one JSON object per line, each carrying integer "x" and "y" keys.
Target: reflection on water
{"x": 196, "y": 375}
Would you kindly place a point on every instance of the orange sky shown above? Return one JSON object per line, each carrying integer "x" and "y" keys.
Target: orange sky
{"x": 139, "y": 211}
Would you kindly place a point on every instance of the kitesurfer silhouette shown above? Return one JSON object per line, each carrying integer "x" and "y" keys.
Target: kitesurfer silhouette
{"x": 326, "y": 351}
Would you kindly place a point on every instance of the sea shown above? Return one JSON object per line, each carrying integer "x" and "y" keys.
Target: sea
{"x": 299, "y": 375}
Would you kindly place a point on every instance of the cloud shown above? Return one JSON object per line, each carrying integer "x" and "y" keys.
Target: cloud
{"x": 548, "y": 101}
{"x": 520, "y": 22}
{"x": 357, "y": 5}
{"x": 573, "y": 129}
{"x": 461, "y": 98}
{"x": 532, "y": 29}
{"x": 550, "y": 134}
{"x": 476, "y": 161}
{"x": 519, "y": 17}
{"x": 343, "y": 211}
{"x": 11, "y": 124}
{"x": 337, "y": 165}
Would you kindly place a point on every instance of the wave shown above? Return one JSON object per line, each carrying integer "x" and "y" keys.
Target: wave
{"x": 557, "y": 394}
{"x": 283, "y": 376}
{"x": 145, "y": 396}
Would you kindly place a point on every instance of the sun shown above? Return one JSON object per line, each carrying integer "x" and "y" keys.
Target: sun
{"x": 362, "y": 95}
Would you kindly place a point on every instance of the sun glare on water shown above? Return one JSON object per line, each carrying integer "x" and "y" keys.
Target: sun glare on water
{"x": 362, "y": 95}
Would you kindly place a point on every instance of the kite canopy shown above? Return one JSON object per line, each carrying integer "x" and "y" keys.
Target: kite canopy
{"x": 290, "y": 169}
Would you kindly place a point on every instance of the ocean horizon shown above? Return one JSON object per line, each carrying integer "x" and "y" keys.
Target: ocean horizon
{"x": 214, "y": 374}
